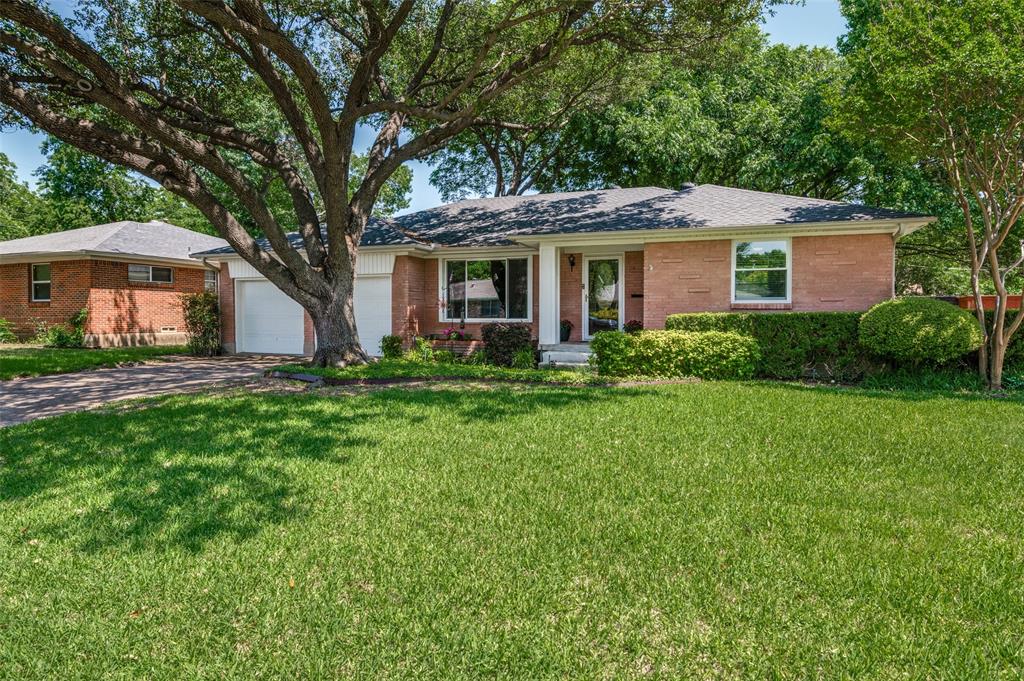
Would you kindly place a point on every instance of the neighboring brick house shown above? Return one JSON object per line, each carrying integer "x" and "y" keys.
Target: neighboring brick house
{"x": 597, "y": 259}
{"x": 129, "y": 275}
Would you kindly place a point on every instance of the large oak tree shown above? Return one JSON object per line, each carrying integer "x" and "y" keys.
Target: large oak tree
{"x": 194, "y": 94}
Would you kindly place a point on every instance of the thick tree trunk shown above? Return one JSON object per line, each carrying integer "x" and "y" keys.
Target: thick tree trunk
{"x": 337, "y": 339}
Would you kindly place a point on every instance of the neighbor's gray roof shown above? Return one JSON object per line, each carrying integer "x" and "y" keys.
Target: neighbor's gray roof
{"x": 499, "y": 221}
{"x": 496, "y": 221}
{"x": 127, "y": 238}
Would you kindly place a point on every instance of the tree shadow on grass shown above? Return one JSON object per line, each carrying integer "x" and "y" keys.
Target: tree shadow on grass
{"x": 189, "y": 470}
{"x": 183, "y": 473}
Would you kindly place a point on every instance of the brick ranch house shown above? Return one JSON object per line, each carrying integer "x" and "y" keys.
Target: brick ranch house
{"x": 127, "y": 274}
{"x": 597, "y": 259}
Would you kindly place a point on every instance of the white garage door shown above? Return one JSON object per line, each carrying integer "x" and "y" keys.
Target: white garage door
{"x": 268, "y": 321}
{"x": 373, "y": 310}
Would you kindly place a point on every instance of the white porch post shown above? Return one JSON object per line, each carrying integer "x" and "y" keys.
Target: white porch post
{"x": 548, "y": 326}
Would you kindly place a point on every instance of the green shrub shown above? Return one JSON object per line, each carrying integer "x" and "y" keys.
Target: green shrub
{"x": 391, "y": 347}
{"x": 444, "y": 357}
{"x": 916, "y": 331}
{"x": 524, "y": 358}
{"x": 7, "y": 332}
{"x": 202, "y": 323}
{"x": 502, "y": 341}
{"x": 706, "y": 354}
{"x": 476, "y": 358}
{"x": 69, "y": 335}
{"x": 792, "y": 344}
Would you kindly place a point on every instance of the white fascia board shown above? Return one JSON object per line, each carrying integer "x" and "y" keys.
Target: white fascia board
{"x": 391, "y": 250}
{"x": 897, "y": 227}
{"x": 51, "y": 256}
{"x": 482, "y": 251}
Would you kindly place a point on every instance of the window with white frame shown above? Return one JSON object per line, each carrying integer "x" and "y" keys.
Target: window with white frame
{"x": 151, "y": 273}
{"x": 210, "y": 280}
{"x": 761, "y": 271}
{"x": 497, "y": 288}
{"x": 41, "y": 283}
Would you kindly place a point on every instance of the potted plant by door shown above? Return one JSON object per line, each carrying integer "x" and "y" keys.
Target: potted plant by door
{"x": 566, "y": 330}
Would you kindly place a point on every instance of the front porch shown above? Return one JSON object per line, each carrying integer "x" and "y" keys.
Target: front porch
{"x": 593, "y": 288}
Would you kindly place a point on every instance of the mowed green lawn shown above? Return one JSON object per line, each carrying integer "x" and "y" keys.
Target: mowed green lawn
{"x": 35, "y": 361}
{"x": 702, "y": 530}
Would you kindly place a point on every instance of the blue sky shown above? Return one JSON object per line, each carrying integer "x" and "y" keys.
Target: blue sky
{"x": 817, "y": 22}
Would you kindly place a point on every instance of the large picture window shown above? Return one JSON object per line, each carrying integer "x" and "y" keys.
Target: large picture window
{"x": 40, "y": 283}
{"x": 486, "y": 289}
{"x": 761, "y": 271}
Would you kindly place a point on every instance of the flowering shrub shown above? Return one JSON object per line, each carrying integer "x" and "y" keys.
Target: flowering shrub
{"x": 452, "y": 333}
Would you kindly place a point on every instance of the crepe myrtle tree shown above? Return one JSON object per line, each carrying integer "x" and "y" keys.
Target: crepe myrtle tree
{"x": 941, "y": 82}
{"x": 194, "y": 93}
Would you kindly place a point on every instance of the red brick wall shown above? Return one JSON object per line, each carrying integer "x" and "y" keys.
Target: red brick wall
{"x": 116, "y": 306}
{"x": 226, "y": 286}
{"x": 634, "y": 282}
{"x": 842, "y": 272}
{"x": 851, "y": 272}
{"x": 119, "y": 306}
{"x": 308, "y": 334}
{"x": 570, "y": 294}
{"x": 408, "y": 295}
{"x": 427, "y": 321}
{"x": 69, "y": 293}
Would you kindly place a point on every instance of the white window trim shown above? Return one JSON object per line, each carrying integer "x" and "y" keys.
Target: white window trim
{"x": 149, "y": 268}
{"x": 33, "y": 281}
{"x": 620, "y": 285}
{"x": 442, "y": 290}
{"x": 206, "y": 273}
{"x": 788, "y": 300}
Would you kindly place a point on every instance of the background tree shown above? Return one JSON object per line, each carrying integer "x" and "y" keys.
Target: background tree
{"x": 79, "y": 189}
{"x": 941, "y": 84}
{"x": 193, "y": 92}
{"x": 18, "y": 204}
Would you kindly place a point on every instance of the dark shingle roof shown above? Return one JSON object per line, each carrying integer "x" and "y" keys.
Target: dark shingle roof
{"x": 501, "y": 221}
{"x": 143, "y": 239}
{"x": 496, "y": 221}
{"x": 377, "y": 233}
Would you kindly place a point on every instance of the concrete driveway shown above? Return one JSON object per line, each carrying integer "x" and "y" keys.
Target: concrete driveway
{"x": 25, "y": 399}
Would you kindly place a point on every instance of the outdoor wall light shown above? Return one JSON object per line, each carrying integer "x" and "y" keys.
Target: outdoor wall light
{"x": 572, "y": 262}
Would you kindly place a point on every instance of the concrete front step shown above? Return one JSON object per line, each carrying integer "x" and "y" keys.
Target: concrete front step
{"x": 566, "y": 356}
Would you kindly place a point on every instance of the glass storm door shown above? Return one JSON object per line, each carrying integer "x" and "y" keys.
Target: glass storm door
{"x": 602, "y": 296}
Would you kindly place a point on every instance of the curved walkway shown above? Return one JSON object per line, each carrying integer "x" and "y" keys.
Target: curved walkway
{"x": 26, "y": 399}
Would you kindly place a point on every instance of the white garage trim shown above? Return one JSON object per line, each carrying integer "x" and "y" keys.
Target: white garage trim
{"x": 371, "y": 300}
{"x": 267, "y": 321}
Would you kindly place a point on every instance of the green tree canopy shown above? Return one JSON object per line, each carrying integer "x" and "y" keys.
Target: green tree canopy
{"x": 940, "y": 85}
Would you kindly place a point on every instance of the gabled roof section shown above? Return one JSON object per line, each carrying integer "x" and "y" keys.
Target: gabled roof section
{"x": 154, "y": 239}
{"x": 504, "y": 220}
{"x": 508, "y": 220}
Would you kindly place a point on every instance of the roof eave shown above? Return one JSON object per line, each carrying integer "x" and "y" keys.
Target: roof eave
{"x": 85, "y": 254}
{"x": 897, "y": 226}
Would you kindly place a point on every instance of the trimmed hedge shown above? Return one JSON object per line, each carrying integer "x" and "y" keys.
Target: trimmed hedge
{"x": 916, "y": 331}
{"x": 669, "y": 354}
{"x": 502, "y": 341}
{"x": 792, "y": 344}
